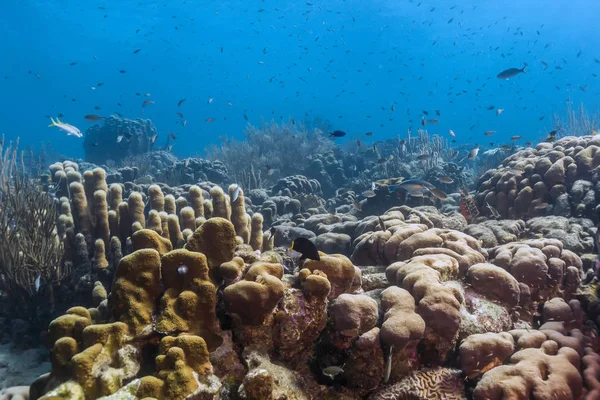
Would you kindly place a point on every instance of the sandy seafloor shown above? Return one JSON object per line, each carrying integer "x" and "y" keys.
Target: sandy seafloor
{"x": 21, "y": 367}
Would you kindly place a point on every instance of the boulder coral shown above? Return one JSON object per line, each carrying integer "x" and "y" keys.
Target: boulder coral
{"x": 339, "y": 271}
{"x": 551, "y": 179}
{"x": 544, "y": 373}
{"x": 403, "y": 241}
{"x": 438, "y": 304}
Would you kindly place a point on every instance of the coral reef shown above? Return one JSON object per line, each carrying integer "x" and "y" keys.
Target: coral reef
{"x": 101, "y": 142}
{"x": 187, "y": 291}
{"x": 557, "y": 178}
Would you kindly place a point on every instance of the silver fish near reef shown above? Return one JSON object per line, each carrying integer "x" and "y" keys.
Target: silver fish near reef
{"x": 418, "y": 188}
{"x": 493, "y": 211}
{"x": 37, "y": 283}
{"x": 235, "y": 193}
{"x": 388, "y": 366}
{"x": 182, "y": 269}
{"x": 511, "y": 72}
{"x": 333, "y": 371}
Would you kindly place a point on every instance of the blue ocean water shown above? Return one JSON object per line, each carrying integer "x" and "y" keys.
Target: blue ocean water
{"x": 347, "y": 62}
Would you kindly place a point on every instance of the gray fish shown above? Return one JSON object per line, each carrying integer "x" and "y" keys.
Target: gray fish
{"x": 511, "y": 72}
{"x": 235, "y": 193}
{"x": 418, "y": 188}
{"x": 388, "y": 366}
{"x": 37, "y": 283}
{"x": 381, "y": 224}
{"x": 333, "y": 371}
{"x": 493, "y": 211}
{"x": 182, "y": 269}
{"x": 369, "y": 194}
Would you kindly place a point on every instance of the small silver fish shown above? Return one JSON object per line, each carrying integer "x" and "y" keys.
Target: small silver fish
{"x": 373, "y": 186}
{"x": 37, "y": 283}
{"x": 236, "y": 193}
{"x": 381, "y": 224}
{"x": 493, "y": 211}
{"x": 119, "y": 138}
{"x": 368, "y": 194}
{"x": 182, "y": 269}
{"x": 473, "y": 153}
{"x": 388, "y": 366}
{"x": 333, "y": 371}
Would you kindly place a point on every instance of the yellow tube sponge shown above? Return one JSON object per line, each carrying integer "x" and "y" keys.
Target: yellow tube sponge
{"x": 136, "y": 208}
{"x": 175, "y": 231}
{"x": 256, "y": 231}
{"x": 88, "y": 185}
{"x": 149, "y": 239}
{"x": 238, "y": 213}
{"x": 81, "y": 215}
{"x": 136, "y": 226}
{"x": 99, "y": 180}
{"x": 115, "y": 196}
{"x": 181, "y": 203}
{"x": 189, "y": 302}
{"x": 99, "y": 262}
{"x": 65, "y": 206}
{"x": 101, "y": 229}
{"x": 157, "y": 198}
{"x": 200, "y": 221}
{"x": 170, "y": 207}
{"x": 125, "y": 222}
{"x": 113, "y": 223}
{"x": 196, "y": 200}
{"x": 208, "y": 208}
{"x": 220, "y": 203}
{"x": 215, "y": 239}
{"x": 135, "y": 289}
{"x": 154, "y": 222}
{"x": 188, "y": 220}
{"x": 164, "y": 224}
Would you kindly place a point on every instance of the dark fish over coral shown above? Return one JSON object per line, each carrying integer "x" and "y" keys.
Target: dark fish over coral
{"x": 305, "y": 248}
{"x": 93, "y": 117}
{"x": 337, "y": 134}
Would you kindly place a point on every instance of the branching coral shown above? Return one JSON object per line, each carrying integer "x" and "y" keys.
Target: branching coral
{"x": 30, "y": 249}
{"x": 270, "y": 152}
